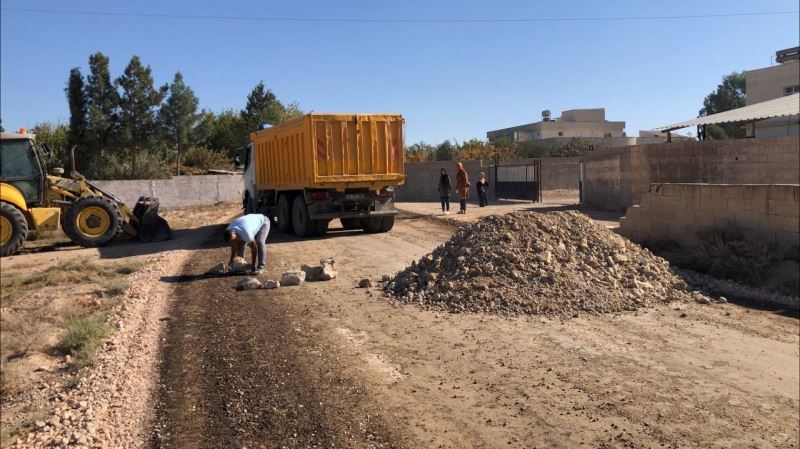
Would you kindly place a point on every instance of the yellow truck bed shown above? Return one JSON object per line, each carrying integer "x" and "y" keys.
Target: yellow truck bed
{"x": 330, "y": 151}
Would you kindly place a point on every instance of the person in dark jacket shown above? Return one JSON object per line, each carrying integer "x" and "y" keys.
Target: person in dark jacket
{"x": 462, "y": 187}
{"x": 444, "y": 191}
{"x": 483, "y": 190}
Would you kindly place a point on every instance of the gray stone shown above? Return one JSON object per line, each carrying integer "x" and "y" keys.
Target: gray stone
{"x": 293, "y": 278}
{"x": 248, "y": 283}
{"x": 270, "y": 284}
{"x": 324, "y": 272}
{"x": 218, "y": 269}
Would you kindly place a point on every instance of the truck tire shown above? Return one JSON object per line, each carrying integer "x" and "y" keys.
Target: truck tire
{"x": 247, "y": 203}
{"x": 13, "y": 229}
{"x": 301, "y": 221}
{"x": 351, "y": 223}
{"x": 372, "y": 225}
{"x": 321, "y": 227}
{"x": 93, "y": 221}
{"x": 387, "y": 223}
{"x": 284, "y": 214}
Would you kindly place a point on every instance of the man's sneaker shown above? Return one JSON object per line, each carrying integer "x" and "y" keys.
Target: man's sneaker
{"x": 258, "y": 272}
{"x": 447, "y": 212}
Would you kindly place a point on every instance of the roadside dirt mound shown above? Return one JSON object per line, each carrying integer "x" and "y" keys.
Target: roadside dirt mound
{"x": 556, "y": 263}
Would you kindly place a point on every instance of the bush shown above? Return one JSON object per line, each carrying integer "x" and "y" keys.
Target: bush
{"x": 206, "y": 159}
{"x": 115, "y": 167}
{"x": 728, "y": 254}
{"x": 82, "y": 336}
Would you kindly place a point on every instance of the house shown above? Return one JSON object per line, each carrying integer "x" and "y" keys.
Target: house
{"x": 589, "y": 125}
{"x": 773, "y": 82}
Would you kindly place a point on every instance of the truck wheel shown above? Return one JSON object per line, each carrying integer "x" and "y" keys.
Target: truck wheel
{"x": 372, "y": 225}
{"x": 247, "y": 203}
{"x": 351, "y": 223}
{"x": 387, "y": 223}
{"x": 321, "y": 227}
{"x": 13, "y": 229}
{"x": 284, "y": 214}
{"x": 301, "y": 221}
{"x": 93, "y": 221}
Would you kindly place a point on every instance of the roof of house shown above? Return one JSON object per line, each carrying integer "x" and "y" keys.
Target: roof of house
{"x": 779, "y": 107}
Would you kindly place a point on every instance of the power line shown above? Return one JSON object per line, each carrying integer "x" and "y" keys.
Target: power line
{"x": 395, "y": 20}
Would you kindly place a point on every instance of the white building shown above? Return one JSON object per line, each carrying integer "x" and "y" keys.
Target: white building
{"x": 774, "y": 82}
{"x": 585, "y": 124}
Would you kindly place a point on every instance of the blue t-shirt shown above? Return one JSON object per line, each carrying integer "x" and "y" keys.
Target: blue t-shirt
{"x": 247, "y": 226}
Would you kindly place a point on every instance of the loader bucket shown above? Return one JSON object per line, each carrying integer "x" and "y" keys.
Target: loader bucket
{"x": 151, "y": 227}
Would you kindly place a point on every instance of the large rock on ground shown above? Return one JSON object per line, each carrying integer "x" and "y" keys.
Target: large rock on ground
{"x": 240, "y": 265}
{"x": 324, "y": 272}
{"x": 218, "y": 269}
{"x": 248, "y": 284}
{"x": 293, "y": 278}
{"x": 270, "y": 284}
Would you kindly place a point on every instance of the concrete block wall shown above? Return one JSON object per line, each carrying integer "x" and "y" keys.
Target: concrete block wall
{"x": 617, "y": 178}
{"x": 179, "y": 191}
{"x": 422, "y": 178}
{"x": 677, "y": 211}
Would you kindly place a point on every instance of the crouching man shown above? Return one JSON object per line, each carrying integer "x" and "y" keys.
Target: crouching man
{"x": 249, "y": 230}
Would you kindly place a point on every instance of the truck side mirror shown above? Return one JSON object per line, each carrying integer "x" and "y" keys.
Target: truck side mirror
{"x": 58, "y": 171}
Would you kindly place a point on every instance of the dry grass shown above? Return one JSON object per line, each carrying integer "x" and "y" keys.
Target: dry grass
{"x": 82, "y": 336}
{"x": 76, "y": 271}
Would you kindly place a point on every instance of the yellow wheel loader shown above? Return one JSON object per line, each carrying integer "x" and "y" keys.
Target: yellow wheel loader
{"x": 33, "y": 200}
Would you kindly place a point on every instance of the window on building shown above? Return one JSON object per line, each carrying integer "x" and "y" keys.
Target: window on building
{"x": 561, "y": 133}
{"x": 789, "y": 90}
{"x": 606, "y": 134}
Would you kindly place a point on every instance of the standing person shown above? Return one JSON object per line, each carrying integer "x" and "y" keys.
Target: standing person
{"x": 462, "y": 187}
{"x": 444, "y": 191}
{"x": 483, "y": 189}
{"x": 249, "y": 230}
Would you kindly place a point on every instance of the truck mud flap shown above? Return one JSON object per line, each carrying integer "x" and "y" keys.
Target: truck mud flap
{"x": 151, "y": 227}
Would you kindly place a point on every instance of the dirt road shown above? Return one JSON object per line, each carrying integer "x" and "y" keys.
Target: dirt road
{"x": 329, "y": 365}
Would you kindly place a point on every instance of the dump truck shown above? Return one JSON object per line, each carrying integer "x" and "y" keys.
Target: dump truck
{"x": 305, "y": 172}
{"x": 33, "y": 200}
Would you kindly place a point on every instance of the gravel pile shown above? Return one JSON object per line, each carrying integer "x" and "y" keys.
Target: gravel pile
{"x": 556, "y": 263}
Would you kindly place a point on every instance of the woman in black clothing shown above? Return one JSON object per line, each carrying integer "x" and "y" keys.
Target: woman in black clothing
{"x": 444, "y": 191}
{"x": 483, "y": 190}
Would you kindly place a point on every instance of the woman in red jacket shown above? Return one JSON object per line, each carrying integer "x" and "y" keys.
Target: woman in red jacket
{"x": 462, "y": 187}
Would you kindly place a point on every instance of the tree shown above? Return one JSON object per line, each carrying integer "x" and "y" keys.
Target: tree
{"x": 139, "y": 102}
{"x": 56, "y": 136}
{"x": 420, "y": 152}
{"x": 729, "y": 95}
{"x": 262, "y": 107}
{"x": 445, "y": 151}
{"x": 78, "y": 107}
{"x": 178, "y": 116}
{"x": 101, "y": 115}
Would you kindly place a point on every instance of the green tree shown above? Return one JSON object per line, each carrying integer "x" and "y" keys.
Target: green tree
{"x": 730, "y": 94}
{"x": 420, "y": 152}
{"x": 56, "y": 136}
{"x": 101, "y": 115}
{"x": 262, "y": 107}
{"x": 78, "y": 107}
{"x": 223, "y": 132}
{"x": 179, "y": 116}
{"x": 445, "y": 151}
{"x": 139, "y": 103}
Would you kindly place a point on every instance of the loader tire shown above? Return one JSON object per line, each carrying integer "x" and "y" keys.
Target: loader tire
{"x": 284, "y": 214}
{"x": 302, "y": 223}
{"x": 93, "y": 221}
{"x": 387, "y": 223}
{"x": 372, "y": 225}
{"x": 351, "y": 223}
{"x": 13, "y": 230}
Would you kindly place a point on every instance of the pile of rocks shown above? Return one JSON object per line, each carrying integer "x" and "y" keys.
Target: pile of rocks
{"x": 556, "y": 263}
{"x": 325, "y": 271}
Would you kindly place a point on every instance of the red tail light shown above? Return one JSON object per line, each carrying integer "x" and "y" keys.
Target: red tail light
{"x": 320, "y": 195}
{"x": 386, "y": 193}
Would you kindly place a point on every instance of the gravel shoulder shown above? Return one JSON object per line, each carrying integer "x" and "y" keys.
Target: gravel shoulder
{"x": 371, "y": 372}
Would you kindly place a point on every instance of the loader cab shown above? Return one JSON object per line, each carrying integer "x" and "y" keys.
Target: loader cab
{"x": 22, "y": 166}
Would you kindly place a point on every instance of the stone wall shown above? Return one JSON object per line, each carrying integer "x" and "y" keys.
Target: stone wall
{"x": 422, "y": 178}
{"x": 616, "y": 178}
{"x": 179, "y": 191}
{"x": 677, "y": 211}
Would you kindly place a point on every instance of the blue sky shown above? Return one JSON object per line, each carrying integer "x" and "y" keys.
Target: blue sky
{"x": 449, "y": 80}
